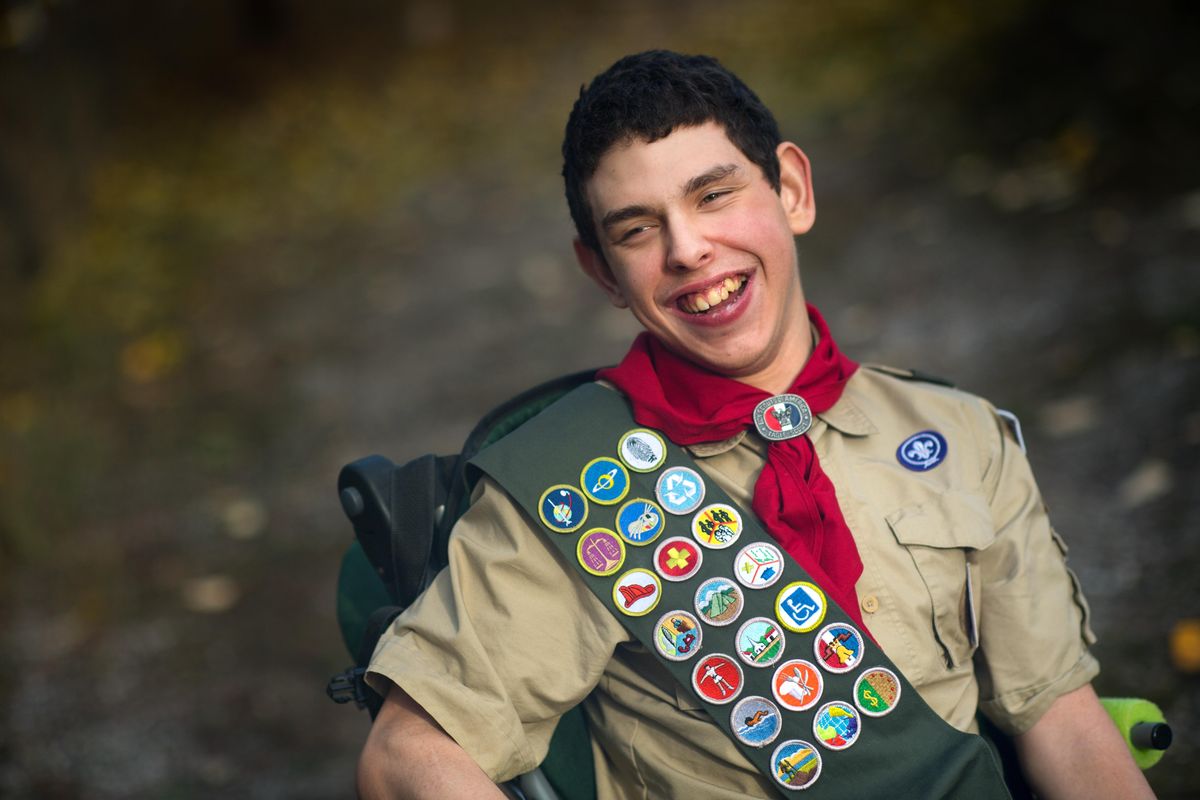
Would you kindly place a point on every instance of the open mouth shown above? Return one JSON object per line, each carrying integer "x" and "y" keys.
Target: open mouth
{"x": 713, "y": 297}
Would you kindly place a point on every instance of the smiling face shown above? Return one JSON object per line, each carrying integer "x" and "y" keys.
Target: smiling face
{"x": 696, "y": 243}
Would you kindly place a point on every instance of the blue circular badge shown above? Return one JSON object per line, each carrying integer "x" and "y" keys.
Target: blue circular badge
{"x": 922, "y": 451}
{"x": 755, "y": 721}
{"x": 640, "y": 521}
{"x": 795, "y": 764}
{"x": 563, "y": 508}
{"x": 680, "y": 490}
{"x": 605, "y": 480}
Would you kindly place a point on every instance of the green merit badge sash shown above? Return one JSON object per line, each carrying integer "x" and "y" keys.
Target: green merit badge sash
{"x": 810, "y": 700}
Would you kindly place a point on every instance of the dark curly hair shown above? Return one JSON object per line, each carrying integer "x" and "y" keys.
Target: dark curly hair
{"x": 645, "y": 97}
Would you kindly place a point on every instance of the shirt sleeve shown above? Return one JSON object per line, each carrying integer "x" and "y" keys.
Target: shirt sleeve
{"x": 505, "y": 640}
{"x": 1033, "y": 624}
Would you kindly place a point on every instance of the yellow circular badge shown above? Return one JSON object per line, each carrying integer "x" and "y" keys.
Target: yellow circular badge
{"x": 800, "y": 606}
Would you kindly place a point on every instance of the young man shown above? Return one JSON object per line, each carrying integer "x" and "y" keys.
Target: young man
{"x": 909, "y": 504}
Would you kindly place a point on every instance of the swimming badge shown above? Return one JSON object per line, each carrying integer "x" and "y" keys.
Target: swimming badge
{"x": 717, "y": 526}
{"x": 876, "y": 691}
{"x": 758, "y": 565}
{"x": 678, "y": 559}
{"x": 800, "y": 606}
{"x": 717, "y": 678}
{"x": 797, "y": 684}
{"x": 636, "y": 592}
{"x": 836, "y": 725}
{"x": 680, "y": 490}
{"x": 642, "y": 449}
{"x": 784, "y": 416}
{"x": 563, "y": 508}
{"x": 600, "y": 551}
{"x": 640, "y": 521}
{"x": 605, "y": 481}
{"x": 839, "y": 647}
{"x": 795, "y": 764}
{"x": 922, "y": 451}
{"x": 755, "y": 721}
{"x": 677, "y": 635}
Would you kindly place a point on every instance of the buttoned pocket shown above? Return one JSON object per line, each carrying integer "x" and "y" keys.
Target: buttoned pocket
{"x": 942, "y": 533}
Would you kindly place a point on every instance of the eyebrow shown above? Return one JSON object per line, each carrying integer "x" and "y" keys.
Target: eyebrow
{"x": 701, "y": 181}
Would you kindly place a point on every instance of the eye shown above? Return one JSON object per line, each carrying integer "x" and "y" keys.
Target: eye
{"x": 632, "y": 232}
{"x": 712, "y": 196}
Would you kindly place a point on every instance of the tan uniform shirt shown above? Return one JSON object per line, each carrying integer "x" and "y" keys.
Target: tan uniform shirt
{"x": 508, "y": 638}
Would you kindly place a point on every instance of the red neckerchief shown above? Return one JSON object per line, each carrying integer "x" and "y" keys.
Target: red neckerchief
{"x": 792, "y": 497}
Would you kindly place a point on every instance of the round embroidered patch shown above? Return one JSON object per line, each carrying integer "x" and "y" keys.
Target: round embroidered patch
{"x": 636, "y": 592}
{"x": 719, "y": 601}
{"x": 642, "y": 450}
{"x": 876, "y": 691}
{"x": 717, "y": 678}
{"x": 758, "y": 565}
{"x": 677, "y": 635}
{"x": 605, "y": 480}
{"x": 800, "y": 606}
{"x": 796, "y": 764}
{"x": 760, "y": 642}
{"x": 755, "y": 721}
{"x": 717, "y": 526}
{"x": 784, "y": 416}
{"x": 680, "y": 490}
{"x": 797, "y": 684}
{"x": 922, "y": 451}
{"x": 600, "y": 551}
{"x": 640, "y": 521}
{"x": 839, "y": 647}
{"x": 678, "y": 559}
{"x": 836, "y": 725}
{"x": 563, "y": 508}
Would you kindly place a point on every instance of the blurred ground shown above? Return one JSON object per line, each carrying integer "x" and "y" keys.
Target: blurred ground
{"x": 244, "y": 242}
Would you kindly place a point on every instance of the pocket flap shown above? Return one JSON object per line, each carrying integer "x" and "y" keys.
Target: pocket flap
{"x": 953, "y": 519}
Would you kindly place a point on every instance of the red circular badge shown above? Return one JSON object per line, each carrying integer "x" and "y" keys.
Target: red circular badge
{"x": 677, "y": 559}
{"x": 717, "y": 678}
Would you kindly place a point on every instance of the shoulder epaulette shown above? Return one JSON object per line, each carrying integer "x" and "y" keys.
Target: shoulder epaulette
{"x": 911, "y": 375}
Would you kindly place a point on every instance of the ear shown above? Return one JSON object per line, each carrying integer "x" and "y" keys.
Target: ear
{"x": 596, "y": 268}
{"x": 795, "y": 187}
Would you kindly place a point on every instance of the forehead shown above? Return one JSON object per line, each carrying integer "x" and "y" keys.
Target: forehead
{"x": 651, "y": 173}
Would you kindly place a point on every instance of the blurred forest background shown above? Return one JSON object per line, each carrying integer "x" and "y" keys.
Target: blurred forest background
{"x": 245, "y": 241}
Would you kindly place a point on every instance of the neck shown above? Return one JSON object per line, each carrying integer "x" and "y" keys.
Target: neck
{"x": 787, "y": 362}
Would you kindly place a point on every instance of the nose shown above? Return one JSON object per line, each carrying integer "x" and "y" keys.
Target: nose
{"x": 688, "y": 245}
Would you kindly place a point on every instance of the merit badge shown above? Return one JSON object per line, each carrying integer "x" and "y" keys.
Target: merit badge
{"x": 717, "y": 526}
{"x": 836, "y": 725}
{"x": 839, "y": 647}
{"x": 795, "y": 764}
{"x": 760, "y": 642}
{"x": 677, "y": 636}
{"x": 680, "y": 490}
{"x": 605, "y": 481}
{"x": 755, "y": 721}
{"x": 784, "y": 416}
{"x": 758, "y": 565}
{"x": 797, "y": 684}
{"x": 640, "y": 521}
{"x": 922, "y": 451}
{"x": 636, "y": 592}
{"x": 642, "y": 449}
{"x": 678, "y": 559}
{"x": 563, "y": 508}
{"x": 717, "y": 678}
{"x": 600, "y": 551}
{"x": 719, "y": 601}
{"x": 800, "y": 606}
{"x": 877, "y": 691}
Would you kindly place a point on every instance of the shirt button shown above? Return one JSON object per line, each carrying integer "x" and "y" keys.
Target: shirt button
{"x": 870, "y": 604}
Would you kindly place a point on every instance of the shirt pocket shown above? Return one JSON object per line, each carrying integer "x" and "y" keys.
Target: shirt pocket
{"x": 942, "y": 534}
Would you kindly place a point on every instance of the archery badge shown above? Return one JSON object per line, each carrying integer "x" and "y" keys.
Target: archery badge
{"x": 717, "y": 678}
{"x": 717, "y": 526}
{"x": 680, "y": 490}
{"x": 642, "y": 449}
{"x": 605, "y": 481}
{"x": 784, "y": 416}
{"x": 760, "y": 642}
{"x": 758, "y": 565}
{"x": 640, "y": 521}
{"x": 678, "y": 559}
{"x": 839, "y": 647}
{"x": 836, "y": 725}
{"x": 719, "y": 601}
{"x": 876, "y": 691}
{"x": 677, "y": 635}
{"x": 600, "y": 551}
{"x": 563, "y": 509}
{"x": 636, "y": 592}
{"x": 755, "y": 721}
{"x": 795, "y": 764}
{"x": 800, "y": 606}
{"x": 797, "y": 684}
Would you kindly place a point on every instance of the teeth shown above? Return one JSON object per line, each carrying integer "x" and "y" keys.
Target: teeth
{"x": 731, "y": 285}
{"x": 701, "y": 304}
{"x": 703, "y": 301}
{"x": 713, "y": 297}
